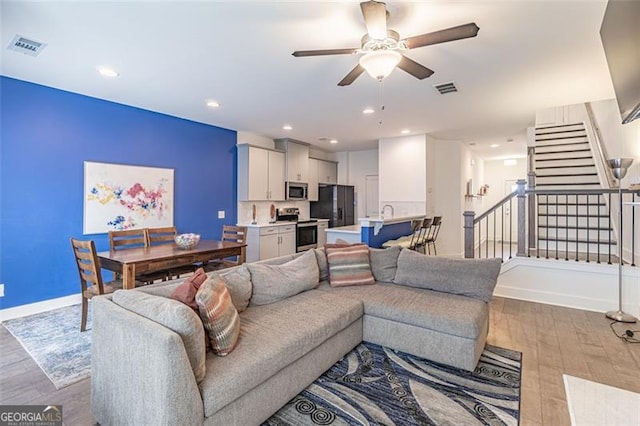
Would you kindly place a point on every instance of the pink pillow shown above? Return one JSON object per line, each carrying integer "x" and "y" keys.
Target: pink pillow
{"x": 349, "y": 265}
{"x": 186, "y": 292}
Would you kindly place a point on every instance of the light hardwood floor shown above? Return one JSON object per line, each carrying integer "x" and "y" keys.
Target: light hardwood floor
{"x": 553, "y": 341}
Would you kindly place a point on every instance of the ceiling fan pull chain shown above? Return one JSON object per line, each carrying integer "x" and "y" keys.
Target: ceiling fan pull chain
{"x": 381, "y": 96}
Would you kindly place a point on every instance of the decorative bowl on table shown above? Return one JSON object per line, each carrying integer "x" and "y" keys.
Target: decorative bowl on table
{"x": 187, "y": 241}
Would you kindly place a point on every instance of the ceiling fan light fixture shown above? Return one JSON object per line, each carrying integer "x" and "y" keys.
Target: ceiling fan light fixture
{"x": 380, "y": 63}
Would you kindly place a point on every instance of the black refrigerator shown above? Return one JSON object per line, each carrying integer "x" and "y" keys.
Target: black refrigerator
{"x": 336, "y": 203}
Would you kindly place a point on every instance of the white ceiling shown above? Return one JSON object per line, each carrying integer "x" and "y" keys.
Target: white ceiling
{"x": 174, "y": 56}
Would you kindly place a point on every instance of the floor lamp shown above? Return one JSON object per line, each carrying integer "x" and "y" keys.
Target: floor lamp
{"x": 619, "y": 168}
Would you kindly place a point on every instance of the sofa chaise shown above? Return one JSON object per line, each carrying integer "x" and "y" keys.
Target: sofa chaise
{"x": 150, "y": 364}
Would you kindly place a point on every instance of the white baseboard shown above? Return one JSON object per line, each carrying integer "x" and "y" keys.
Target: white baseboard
{"x": 34, "y": 308}
{"x": 592, "y": 287}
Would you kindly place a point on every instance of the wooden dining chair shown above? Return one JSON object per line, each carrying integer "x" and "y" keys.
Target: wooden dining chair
{"x": 235, "y": 234}
{"x": 156, "y": 236}
{"x": 90, "y": 275}
{"x": 165, "y": 235}
{"x": 130, "y": 238}
{"x": 420, "y": 243}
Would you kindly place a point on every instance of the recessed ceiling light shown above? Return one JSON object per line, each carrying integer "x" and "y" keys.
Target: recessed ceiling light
{"x": 333, "y": 141}
{"x": 213, "y": 104}
{"x": 405, "y": 131}
{"x": 368, "y": 111}
{"x": 494, "y": 145}
{"x": 107, "y": 72}
{"x": 287, "y": 127}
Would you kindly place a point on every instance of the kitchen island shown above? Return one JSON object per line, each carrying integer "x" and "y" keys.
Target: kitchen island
{"x": 373, "y": 231}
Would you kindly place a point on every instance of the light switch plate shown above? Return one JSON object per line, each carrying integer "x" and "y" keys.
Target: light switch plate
{"x": 220, "y": 214}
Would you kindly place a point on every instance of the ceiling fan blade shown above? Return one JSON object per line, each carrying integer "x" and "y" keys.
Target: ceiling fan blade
{"x": 414, "y": 68}
{"x": 443, "y": 36}
{"x": 299, "y": 53}
{"x": 375, "y": 18}
{"x": 351, "y": 77}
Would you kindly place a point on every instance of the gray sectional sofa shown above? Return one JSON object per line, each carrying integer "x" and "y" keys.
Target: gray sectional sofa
{"x": 150, "y": 365}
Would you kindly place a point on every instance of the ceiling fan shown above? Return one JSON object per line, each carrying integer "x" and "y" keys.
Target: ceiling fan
{"x": 382, "y": 47}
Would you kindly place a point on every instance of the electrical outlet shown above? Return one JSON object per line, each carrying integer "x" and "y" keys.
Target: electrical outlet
{"x": 220, "y": 214}
{"x": 1, "y": 290}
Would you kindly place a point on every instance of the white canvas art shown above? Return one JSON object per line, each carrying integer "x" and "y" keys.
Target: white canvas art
{"x": 118, "y": 197}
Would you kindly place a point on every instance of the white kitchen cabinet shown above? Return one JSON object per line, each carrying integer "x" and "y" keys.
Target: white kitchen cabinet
{"x": 260, "y": 174}
{"x": 323, "y": 225}
{"x": 297, "y": 160}
{"x": 312, "y": 193}
{"x": 327, "y": 172}
{"x": 267, "y": 242}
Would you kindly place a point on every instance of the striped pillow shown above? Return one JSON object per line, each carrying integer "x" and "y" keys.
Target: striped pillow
{"x": 219, "y": 316}
{"x": 349, "y": 265}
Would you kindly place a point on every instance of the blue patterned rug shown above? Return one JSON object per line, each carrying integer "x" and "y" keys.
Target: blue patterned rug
{"x": 54, "y": 341}
{"x": 373, "y": 385}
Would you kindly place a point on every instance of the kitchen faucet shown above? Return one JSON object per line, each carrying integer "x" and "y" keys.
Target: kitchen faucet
{"x": 384, "y": 207}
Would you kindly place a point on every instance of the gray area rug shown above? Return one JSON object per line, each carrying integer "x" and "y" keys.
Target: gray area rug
{"x": 54, "y": 341}
{"x": 373, "y": 385}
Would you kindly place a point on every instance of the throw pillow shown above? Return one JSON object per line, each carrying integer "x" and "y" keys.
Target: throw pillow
{"x": 219, "y": 316}
{"x": 173, "y": 315}
{"x": 349, "y": 265}
{"x": 384, "y": 263}
{"x": 468, "y": 277}
{"x": 272, "y": 283}
{"x": 238, "y": 282}
{"x": 186, "y": 292}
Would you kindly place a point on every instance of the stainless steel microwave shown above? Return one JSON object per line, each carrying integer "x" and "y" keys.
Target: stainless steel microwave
{"x": 296, "y": 191}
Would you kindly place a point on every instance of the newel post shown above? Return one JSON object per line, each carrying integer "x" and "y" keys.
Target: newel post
{"x": 532, "y": 211}
{"x": 522, "y": 198}
{"x": 469, "y": 244}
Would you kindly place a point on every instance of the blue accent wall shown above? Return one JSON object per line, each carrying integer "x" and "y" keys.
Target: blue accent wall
{"x": 46, "y": 135}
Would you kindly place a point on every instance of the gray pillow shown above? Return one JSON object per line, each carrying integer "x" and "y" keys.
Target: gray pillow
{"x": 384, "y": 263}
{"x": 323, "y": 266}
{"x": 238, "y": 282}
{"x": 468, "y": 277}
{"x": 175, "y": 316}
{"x": 272, "y": 283}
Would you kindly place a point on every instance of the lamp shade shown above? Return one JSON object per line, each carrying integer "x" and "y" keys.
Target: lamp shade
{"x": 380, "y": 63}
{"x": 619, "y": 166}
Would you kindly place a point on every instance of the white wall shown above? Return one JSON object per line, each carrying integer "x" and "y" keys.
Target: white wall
{"x": 402, "y": 170}
{"x": 446, "y": 184}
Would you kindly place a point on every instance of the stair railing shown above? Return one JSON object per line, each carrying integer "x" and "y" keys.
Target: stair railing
{"x": 584, "y": 240}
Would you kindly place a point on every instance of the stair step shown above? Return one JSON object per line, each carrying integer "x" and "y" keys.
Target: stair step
{"x": 559, "y": 126}
{"x": 559, "y": 137}
{"x": 563, "y": 151}
{"x": 554, "y": 144}
{"x": 595, "y": 185}
{"x": 582, "y": 221}
{"x": 561, "y": 210}
{"x": 594, "y": 243}
{"x": 565, "y": 167}
{"x": 564, "y": 158}
{"x": 591, "y": 216}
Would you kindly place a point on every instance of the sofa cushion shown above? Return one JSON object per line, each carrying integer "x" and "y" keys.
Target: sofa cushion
{"x": 349, "y": 265}
{"x": 272, "y": 283}
{"x": 186, "y": 292}
{"x": 323, "y": 267}
{"x": 446, "y": 313}
{"x": 384, "y": 263}
{"x": 238, "y": 282}
{"x": 272, "y": 337}
{"x": 174, "y": 315}
{"x": 219, "y": 316}
{"x": 469, "y": 277}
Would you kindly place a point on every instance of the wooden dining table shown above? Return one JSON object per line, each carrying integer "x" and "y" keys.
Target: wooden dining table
{"x": 137, "y": 261}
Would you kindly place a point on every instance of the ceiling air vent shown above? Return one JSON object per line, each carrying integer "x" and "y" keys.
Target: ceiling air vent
{"x": 26, "y": 46}
{"x": 445, "y": 88}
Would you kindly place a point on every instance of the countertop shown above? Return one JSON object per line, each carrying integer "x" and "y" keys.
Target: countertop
{"x": 350, "y": 229}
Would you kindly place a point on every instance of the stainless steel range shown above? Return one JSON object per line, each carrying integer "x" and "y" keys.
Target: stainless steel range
{"x": 306, "y": 230}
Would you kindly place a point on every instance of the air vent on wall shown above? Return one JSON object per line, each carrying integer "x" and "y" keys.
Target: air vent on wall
{"x": 24, "y": 45}
{"x": 445, "y": 88}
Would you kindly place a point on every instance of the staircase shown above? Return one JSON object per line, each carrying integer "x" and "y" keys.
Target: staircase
{"x": 576, "y": 223}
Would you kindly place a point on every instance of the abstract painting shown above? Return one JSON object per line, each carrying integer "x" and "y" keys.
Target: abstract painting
{"x": 119, "y": 197}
